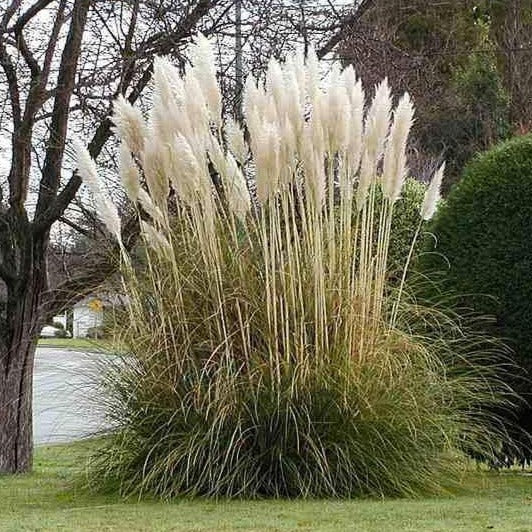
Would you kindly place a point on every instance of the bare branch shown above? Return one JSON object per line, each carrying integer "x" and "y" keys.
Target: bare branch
{"x": 52, "y": 43}
{"x": 26, "y": 53}
{"x": 31, "y": 12}
{"x": 12, "y": 84}
{"x": 98, "y": 266}
{"x": 346, "y": 25}
{"x": 8, "y": 14}
{"x": 162, "y": 43}
{"x": 65, "y": 83}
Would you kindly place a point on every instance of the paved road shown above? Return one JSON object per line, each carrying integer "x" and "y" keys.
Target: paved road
{"x": 65, "y": 395}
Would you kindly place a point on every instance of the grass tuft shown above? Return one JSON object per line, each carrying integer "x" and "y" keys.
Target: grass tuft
{"x": 269, "y": 353}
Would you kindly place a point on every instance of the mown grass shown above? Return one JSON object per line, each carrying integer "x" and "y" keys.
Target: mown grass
{"x": 48, "y": 500}
{"x": 77, "y": 344}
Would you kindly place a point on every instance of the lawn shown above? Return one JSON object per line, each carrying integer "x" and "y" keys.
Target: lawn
{"x": 76, "y": 344}
{"x": 47, "y": 500}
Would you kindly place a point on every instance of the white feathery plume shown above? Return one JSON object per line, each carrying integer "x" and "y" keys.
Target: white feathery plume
{"x": 155, "y": 164}
{"x": 322, "y": 102}
{"x": 300, "y": 73}
{"x": 357, "y": 96}
{"x": 130, "y": 125}
{"x": 313, "y": 74}
{"x": 294, "y": 101}
{"x": 333, "y": 77}
{"x": 255, "y": 102}
{"x": 255, "y": 128}
{"x": 105, "y": 208}
{"x": 314, "y": 131}
{"x": 354, "y": 148}
{"x": 394, "y": 169}
{"x": 432, "y": 194}
{"x": 196, "y": 104}
{"x": 109, "y": 214}
{"x": 266, "y": 155}
{"x": 288, "y": 148}
{"x": 189, "y": 175}
{"x": 348, "y": 78}
{"x": 378, "y": 122}
{"x": 376, "y": 128}
{"x": 87, "y": 167}
{"x": 275, "y": 86}
{"x": 156, "y": 240}
{"x": 202, "y": 57}
{"x": 167, "y": 81}
{"x": 129, "y": 173}
{"x": 313, "y": 164}
{"x": 269, "y": 111}
{"x": 338, "y": 117}
{"x": 216, "y": 155}
{"x": 166, "y": 114}
{"x": 150, "y": 208}
{"x": 235, "y": 187}
{"x": 235, "y": 140}
{"x": 249, "y": 95}
{"x": 169, "y": 114}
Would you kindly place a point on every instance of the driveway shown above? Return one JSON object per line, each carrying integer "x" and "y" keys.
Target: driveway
{"x": 65, "y": 395}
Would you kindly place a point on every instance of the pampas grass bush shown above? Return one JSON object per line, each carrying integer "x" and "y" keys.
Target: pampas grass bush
{"x": 265, "y": 356}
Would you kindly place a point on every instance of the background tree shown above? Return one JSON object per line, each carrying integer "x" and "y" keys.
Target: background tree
{"x": 58, "y": 57}
{"x": 466, "y": 63}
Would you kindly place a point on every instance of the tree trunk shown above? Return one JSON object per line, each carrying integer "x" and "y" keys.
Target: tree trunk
{"x": 18, "y": 340}
{"x": 16, "y": 431}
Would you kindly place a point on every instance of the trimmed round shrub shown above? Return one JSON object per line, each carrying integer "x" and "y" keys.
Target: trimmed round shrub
{"x": 484, "y": 247}
{"x": 61, "y": 333}
{"x": 405, "y": 223}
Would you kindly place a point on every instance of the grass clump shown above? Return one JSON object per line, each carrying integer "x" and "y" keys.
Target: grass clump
{"x": 267, "y": 351}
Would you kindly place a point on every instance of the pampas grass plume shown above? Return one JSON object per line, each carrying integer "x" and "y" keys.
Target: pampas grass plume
{"x": 129, "y": 173}
{"x": 354, "y": 149}
{"x": 235, "y": 140}
{"x": 155, "y": 239}
{"x": 202, "y": 57}
{"x": 105, "y": 208}
{"x": 394, "y": 173}
{"x": 130, "y": 125}
{"x": 432, "y": 194}
{"x": 236, "y": 188}
{"x": 378, "y": 122}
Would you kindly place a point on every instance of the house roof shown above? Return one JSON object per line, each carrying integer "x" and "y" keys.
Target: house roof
{"x": 107, "y": 299}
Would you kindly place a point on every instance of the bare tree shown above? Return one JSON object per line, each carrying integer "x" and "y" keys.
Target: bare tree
{"x": 49, "y": 58}
{"x": 512, "y": 29}
{"x": 262, "y": 29}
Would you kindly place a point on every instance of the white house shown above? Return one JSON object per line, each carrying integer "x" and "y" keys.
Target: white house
{"x": 87, "y": 313}
{"x": 62, "y": 319}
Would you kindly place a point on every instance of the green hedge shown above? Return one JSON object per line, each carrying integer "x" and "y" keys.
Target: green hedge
{"x": 405, "y": 223}
{"x": 484, "y": 231}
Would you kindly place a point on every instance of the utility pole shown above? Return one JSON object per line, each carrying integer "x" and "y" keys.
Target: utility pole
{"x": 304, "y": 30}
{"x": 239, "y": 70}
